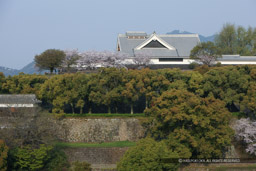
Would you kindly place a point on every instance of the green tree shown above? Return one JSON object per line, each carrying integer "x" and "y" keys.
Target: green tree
{"x": 228, "y": 83}
{"x": 23, "y": 84}
{"x": 131, "y": 91}
{"x": 49, "y": 59}
{"x": 107, "y": 87}
{"x": 236, "y": 40}
{"x": 205, "y": 52}
{"x": 148, "y": 155}
{"x": 226, "y": 39}
{"x": 200, "y": 124}
{"x": 3, "y": 156}
{"x": 67, "y": 90}
{"x": 2, "y": 80}
{"x": 29, "y": 158}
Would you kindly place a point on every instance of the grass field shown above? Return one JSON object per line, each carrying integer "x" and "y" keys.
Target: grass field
{"x": 105, "y": 144}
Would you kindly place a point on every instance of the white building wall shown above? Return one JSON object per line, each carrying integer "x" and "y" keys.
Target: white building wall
{"x": 16, "y": 105}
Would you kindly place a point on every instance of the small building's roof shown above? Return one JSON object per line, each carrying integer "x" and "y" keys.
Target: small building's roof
{"x": 182, "y": 44}
{"x": 136, "y": 33}
{"x": 18, "y": 99}
{"x": 237, "y": 58}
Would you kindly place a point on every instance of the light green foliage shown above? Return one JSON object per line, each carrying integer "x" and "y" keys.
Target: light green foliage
{"x": 226, "y": 39}
{"x": 199, "y": 124}
{"x": 23, "y": 84}
{"x": 148, "y": 155}
{"x": 236, "y": 40}
{"x": 3, "y": 156}
{"x": 62, "y": 90}
{"x": 28, "y": 158}
{"x": 49, "y": 59}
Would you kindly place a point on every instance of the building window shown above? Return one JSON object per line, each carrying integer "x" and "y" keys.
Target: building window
{"x": 170, "y": 59}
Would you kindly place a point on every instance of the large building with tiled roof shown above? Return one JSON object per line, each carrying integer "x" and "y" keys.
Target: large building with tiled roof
{"x": 168, "y": 48}
{"x": 171, "y": 50}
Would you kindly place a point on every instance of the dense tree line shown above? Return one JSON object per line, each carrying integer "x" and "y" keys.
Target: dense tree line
{"x": 120, "y": 90}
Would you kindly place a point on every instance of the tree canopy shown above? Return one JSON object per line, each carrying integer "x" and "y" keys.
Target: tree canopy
{"x": 49, "y": 59}
{"x": 236, "y": 40}
{"x": 201, "y": 125}
{"x": 148, "y": 155}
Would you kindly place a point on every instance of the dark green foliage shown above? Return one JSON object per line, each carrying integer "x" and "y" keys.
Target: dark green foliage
{"x": 3, "y": 155}
{"x": 201, "y": 125}
{"x": 49, "y": 59}
{"x": 81, "y": 166}
{"x": 58, "y": 160}
{"x": 148, "y": 155}
{"x": 193, "y": 65}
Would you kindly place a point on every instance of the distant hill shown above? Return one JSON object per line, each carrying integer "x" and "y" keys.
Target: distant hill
{"x": 202, "y": 38}
{"x": 28, "y": 69}
{"x": 8, "y": 71}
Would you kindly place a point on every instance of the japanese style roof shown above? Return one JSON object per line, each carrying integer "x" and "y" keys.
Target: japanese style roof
{"x": 237, "y": 58}
{"x": 18, "y": 99}
{"x": 155, "y": 46}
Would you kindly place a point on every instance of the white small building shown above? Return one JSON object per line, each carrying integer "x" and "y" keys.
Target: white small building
{"x": 18, "y": 101}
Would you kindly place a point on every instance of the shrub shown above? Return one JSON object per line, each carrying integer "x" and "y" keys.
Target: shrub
{"x": 81, "y": 166}
{"x": 147, "y": 155}
{"x": 193, "y": 65}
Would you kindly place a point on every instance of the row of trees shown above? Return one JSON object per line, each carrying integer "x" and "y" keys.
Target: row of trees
{"x": 118, "y": 90}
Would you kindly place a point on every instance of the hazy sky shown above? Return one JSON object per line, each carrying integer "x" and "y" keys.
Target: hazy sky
{"x": 28, "y": 27}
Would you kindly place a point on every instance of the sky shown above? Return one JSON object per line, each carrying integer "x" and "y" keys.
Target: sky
{"x": 29, "y": 27}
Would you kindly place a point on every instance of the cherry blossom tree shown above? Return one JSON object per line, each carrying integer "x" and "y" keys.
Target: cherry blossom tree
{"x": 206, "y": 53}
{"x": 141, "y": 60}
{"x": 246, "y": 132}
{"x": 72, "y": 55}
{"x": 95, "y": 59}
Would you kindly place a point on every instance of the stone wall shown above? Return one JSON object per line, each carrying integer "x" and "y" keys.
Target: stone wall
{"x": 99, "y": 130}
{"x": 25, "y": 123}
{"x": 96, "y": 155}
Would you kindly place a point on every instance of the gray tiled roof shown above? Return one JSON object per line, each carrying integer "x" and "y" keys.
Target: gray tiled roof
{"x": 183, "y": 43}
{"x": 136, "y": 33}
{"x": 18, "y": 99}
{"x": 237, "y": 58}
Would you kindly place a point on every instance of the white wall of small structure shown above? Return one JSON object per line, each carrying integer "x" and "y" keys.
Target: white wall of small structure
{"x": 17, "y": 105}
